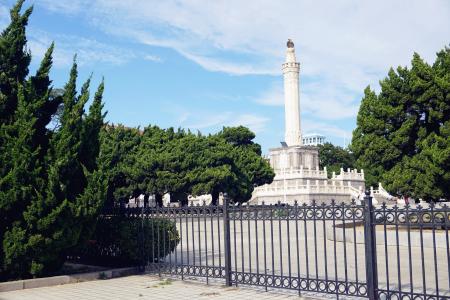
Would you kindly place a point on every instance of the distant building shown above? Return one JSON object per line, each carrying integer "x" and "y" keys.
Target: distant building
{"x": 313, "y": 139}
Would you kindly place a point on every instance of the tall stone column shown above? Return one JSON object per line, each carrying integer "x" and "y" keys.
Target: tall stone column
{"x": 291, "y": 69}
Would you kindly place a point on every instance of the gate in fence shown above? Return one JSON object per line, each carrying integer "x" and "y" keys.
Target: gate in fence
{"x": 343, "y": 249}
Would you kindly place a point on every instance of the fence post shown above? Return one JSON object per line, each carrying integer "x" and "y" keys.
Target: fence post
{"x": 226, "y": 229}
{"x": 370, "y": 248}
{"x": 142, "y": 243}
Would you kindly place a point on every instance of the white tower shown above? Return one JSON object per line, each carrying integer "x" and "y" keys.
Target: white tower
{"x": 291, "y": 69}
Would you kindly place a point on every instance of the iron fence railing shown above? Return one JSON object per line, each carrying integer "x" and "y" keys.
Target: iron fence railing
{"x": 349, "y": 249}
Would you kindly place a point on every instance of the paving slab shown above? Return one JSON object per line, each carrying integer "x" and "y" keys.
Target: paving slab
{"x": 141, "y": 287}
{"x": 64, "y": 279}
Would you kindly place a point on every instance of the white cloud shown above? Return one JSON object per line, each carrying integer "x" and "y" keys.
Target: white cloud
{"x": 273, "y": 96}
{"x": 205, "y": 120}
{"x": 216, "y": 120}
{"x": 183, "y": 117}
{"x": 311, "y": 126}
{"x": 88, "y": 51}
{"x": 328, "y": 103}
{"x": 221, "y": 65}
{"x": 317, "y": 99}
{"x": 153, "y": 58}
{"x": 331, "y": 35}
{"x": 66, "y": 7}
{"x": 256, "y": 123}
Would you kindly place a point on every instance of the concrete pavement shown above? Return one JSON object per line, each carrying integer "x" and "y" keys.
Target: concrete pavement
{"x": 141, "y": 287}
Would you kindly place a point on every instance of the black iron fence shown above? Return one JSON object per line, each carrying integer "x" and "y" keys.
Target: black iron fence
{"x": 383, "y": 252}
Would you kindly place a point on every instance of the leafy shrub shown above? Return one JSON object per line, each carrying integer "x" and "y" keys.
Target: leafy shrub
{"x": 125, "y": 241}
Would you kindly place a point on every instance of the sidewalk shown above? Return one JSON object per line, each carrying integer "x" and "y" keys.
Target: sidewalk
{"x": 144, "y": 287}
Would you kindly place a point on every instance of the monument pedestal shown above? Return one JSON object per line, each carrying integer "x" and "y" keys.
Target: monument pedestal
{"x": 294, "y": 157}
{"x": 298, "y": 178}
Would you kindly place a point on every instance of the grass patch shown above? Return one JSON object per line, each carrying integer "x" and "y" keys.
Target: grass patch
{"x": 163, "y": 282}
{"x": 167, "y": 281}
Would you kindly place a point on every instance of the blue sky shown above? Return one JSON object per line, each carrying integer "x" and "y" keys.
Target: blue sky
{"x": 207, "y": 64}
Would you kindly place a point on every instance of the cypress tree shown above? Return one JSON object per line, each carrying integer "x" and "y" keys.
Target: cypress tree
{"x": 250, "y": 168}
{"x": 51, "y": 190}
{"x": 402, "y": 137}
{"x": 118, "y": 147}
{"x": 90, "y": 133}
{"x": 14, "y": 61}
{"x": 25, "y": 146}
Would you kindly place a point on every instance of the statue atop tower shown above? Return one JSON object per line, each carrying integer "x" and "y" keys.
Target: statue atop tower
{"x": 291, "y": 70}
{"x": 290, "y": 43}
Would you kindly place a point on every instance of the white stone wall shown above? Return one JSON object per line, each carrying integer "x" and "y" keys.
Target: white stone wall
{"x": 351, "y": 177}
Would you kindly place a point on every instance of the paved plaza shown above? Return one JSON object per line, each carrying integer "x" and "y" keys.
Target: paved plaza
{"x": 144, "y": 287}
{"x": 317, "y": 250}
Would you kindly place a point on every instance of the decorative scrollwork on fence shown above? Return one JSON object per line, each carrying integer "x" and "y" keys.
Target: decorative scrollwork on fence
{"x": 301, "y": 283}
{"x": 314, "y": 212}
{"x": 421, "y": 217}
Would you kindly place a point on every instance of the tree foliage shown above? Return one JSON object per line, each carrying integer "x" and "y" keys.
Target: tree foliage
{"x": 157, "y": 161}
{"x": 402, "y": 137}
{"x": 334, "y": 158}
{"x": 115, "y": 242}
{"x": 51, "y": 188}
{"x": 14, "y": 61}
{"x": 118, "y": 146}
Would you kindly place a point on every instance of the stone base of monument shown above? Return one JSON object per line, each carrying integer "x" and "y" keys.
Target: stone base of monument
{"x": 299, "y": 178}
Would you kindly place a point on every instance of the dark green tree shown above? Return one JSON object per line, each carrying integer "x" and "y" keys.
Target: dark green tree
{"x": 214, "y": 168}
{"x": 50, "y": 190}
{"x": 159, "y": 161}
{"x": 118, "y": 147}
{"x": 251, "y": 169}
{"x": 23, "y": 159}
{"x": 174, "y": 160}
{"x": 334, "y": 158}
{"x": 90, "y": 131}
{"x": 14, "y": 61}
{"x": 402, "y": 137}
